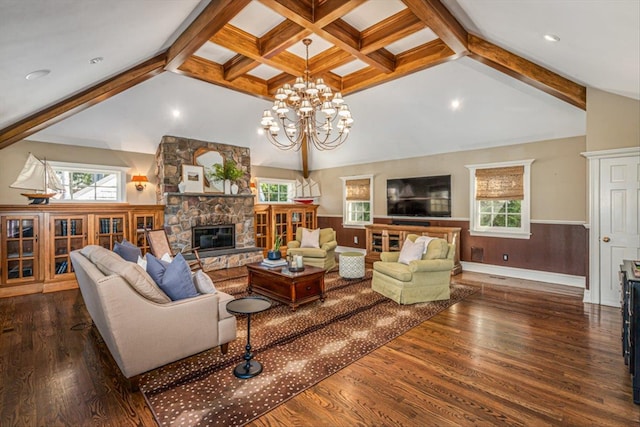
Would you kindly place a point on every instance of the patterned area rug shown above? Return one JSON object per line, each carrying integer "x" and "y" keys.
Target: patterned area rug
{"x": 297, "y": 349}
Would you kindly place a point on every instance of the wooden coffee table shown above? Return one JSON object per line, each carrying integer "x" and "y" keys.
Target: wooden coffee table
{"x": 290, "y": 288}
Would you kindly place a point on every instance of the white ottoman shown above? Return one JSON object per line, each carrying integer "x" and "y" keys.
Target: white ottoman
{"x": 351, "y": 265}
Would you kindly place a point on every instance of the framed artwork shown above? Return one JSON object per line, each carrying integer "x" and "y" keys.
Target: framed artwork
{"x": 193, "y": 178}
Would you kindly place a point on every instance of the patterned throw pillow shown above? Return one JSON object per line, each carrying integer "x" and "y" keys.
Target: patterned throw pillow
{"x": 411, "y": 251}
{"x": 174, "y": 278}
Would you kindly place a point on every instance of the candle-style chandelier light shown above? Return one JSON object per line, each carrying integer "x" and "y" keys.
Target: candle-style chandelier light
{"x": 307, "y": 111}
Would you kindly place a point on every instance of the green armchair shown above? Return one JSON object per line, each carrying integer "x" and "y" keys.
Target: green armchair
{"x": 422, "y": 280}
{"x": 324, "y": 256}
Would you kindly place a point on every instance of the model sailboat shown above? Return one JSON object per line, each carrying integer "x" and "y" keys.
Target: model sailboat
{"x": 307, "y": 191}
{"x": 39, "y": 177}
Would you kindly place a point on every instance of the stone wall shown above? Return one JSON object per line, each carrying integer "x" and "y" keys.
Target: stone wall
{"x": 186, "y": 210}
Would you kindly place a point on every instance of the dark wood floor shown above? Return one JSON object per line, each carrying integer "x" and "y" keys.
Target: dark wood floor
{"x": 504, "y": 356}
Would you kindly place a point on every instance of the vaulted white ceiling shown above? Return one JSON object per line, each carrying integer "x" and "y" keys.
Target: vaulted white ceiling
{"x": 599, "y": 47}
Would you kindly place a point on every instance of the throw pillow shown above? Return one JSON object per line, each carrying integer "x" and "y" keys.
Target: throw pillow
{"x": 142, "y": 262}
{"x": 127, "y": 250}
{"x": 203, "y": 283}
{"x": 411, "y": 251}
{"x": 109, "y": 263}
{"x": 174, "y": 278}
{"x": 310, "y": 238}
{"x": 166, "y": 257}
{"x": 438, "y": 249}
{"x": 425, "y": 240}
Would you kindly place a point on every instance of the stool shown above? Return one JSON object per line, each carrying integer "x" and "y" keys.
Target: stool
{"x": 351, "y": 265}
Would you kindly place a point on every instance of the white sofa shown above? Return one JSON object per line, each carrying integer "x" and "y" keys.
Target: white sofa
{"x": 141, "y": 327}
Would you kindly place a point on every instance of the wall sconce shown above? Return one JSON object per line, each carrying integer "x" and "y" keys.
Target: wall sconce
{"x": 138, "y": 180}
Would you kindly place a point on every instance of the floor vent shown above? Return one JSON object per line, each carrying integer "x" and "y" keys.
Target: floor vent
{"x": 477, "y": 254}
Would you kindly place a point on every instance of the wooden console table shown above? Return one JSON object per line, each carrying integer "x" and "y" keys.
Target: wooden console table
{"x": 389, "y": 238}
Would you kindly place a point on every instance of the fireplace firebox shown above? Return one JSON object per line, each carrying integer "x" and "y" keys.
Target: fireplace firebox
{"x": 214, "y": 237}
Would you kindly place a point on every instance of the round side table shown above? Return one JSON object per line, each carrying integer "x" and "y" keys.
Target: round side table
{"x": 351, "y": 265}
{"x": 248, "y": 305}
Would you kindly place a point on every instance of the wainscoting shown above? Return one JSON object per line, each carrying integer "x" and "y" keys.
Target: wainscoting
{"x": 552, "y": 248}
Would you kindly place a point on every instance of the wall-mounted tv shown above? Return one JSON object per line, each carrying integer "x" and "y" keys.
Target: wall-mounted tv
{"x": 428, "y": 196}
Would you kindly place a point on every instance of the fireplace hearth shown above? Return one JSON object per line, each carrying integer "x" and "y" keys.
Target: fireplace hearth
{"x": 213, "y": 237}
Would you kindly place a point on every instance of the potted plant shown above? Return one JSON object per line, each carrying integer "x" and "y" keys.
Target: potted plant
{"x": 275, "y": 253}
{"x": 229, "y": 172}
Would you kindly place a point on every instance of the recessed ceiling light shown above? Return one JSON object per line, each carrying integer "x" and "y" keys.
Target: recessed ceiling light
{"x": 37, "y": 74}
{"x": 551, "y": 38}
{"x": 175, "y": 113}
{"x": 455, "y": 104}
{"x": 96, "y": 60}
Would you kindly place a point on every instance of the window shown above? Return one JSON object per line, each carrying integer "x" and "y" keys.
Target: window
{"x": 271, "y": 190}
{"x": 91, "y": 183}
{"x": 500, "y": 199}
{"x": 358, "y": 200}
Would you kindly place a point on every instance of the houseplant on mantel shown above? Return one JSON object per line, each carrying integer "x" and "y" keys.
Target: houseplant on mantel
{"x": 229, "y": 172}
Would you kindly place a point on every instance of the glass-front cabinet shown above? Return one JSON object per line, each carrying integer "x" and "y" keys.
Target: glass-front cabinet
{"x": 261, "y": 226}
{"x": 283, "y": 220}
{"x": 19, "y": 249}
{"x": 36, "y": 241}
{"x": 109, "y": 229}
{"x": 143, "y": 221}
{"x": 67, "y": 233}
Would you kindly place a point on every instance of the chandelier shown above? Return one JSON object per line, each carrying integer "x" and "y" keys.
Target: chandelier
{"x": 307, "y": 112}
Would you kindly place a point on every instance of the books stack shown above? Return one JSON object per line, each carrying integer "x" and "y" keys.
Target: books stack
{"x": 274, "y": 263}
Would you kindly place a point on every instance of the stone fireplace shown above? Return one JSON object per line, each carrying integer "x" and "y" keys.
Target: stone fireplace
{"x": 188, "y": 212}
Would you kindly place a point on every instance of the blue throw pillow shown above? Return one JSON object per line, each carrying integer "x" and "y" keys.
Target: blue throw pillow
{"x": 174, "y": 277}
{"x": 127, "y": 250}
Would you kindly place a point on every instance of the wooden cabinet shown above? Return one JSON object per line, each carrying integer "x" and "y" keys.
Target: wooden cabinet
{"x": 66, "y": 233}
{"x": 109, "y": 229}
{"x": 284, "y": 220}
{"x": 389, "y": 238}
{"x": 144, "y": 220}
{"x": 36, "y": 240}
{"x": 19, "y": 249}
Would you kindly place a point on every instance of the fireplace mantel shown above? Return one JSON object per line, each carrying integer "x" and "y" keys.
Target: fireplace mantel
{"x": 208, "y": 195}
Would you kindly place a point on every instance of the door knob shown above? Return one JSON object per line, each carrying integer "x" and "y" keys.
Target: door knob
{"x": 606, "y": 239}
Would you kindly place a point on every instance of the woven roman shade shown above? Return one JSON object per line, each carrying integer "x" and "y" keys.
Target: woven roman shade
{"x": 358, "y": 189}
{"x": 500, "y": 183}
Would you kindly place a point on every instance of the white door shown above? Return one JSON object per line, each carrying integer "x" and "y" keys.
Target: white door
{"x": 619, "y": 226}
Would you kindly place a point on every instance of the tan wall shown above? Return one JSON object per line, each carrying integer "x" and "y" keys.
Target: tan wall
{"x": 613, "y": 121}
{"x": 557, "y": 178}
{"x": 12, "y": 159}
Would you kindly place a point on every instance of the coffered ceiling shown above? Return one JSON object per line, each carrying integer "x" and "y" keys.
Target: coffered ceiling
{"x": 254, "y": 46}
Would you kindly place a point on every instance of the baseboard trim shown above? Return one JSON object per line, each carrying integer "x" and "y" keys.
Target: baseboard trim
{"x": 521, "y": 273}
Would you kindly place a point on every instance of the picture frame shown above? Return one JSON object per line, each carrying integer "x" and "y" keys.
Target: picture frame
{"x": 193, "y": 178}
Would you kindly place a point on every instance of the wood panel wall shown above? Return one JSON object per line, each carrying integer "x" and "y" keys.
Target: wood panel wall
{"x": 556, "y": 248}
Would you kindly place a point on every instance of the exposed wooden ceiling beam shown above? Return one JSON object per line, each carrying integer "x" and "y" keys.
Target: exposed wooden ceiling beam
{"x": 82, "y": 100}
{"x": 247, "y": 45}
{"x": 419, "y": 58}
{"x": 441, "y": 22}
{"x": 212, "y": 18}
{"x": 281, "y": 37}
{"x": 392, "y": 29}
{"x": 213, "y": 73}
{"x": 528, "y": 72}
{"x": 336, "y": 32}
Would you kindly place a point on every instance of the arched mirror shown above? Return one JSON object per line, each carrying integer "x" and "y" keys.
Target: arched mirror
{"x": 207, "y": 157}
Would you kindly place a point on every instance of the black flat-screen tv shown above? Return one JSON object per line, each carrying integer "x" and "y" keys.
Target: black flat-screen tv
{"x": 427, "y": 196}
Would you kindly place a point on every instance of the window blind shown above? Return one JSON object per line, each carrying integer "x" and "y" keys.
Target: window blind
{"x": 358, "y": 189}
{"x": 500, "y": 183}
